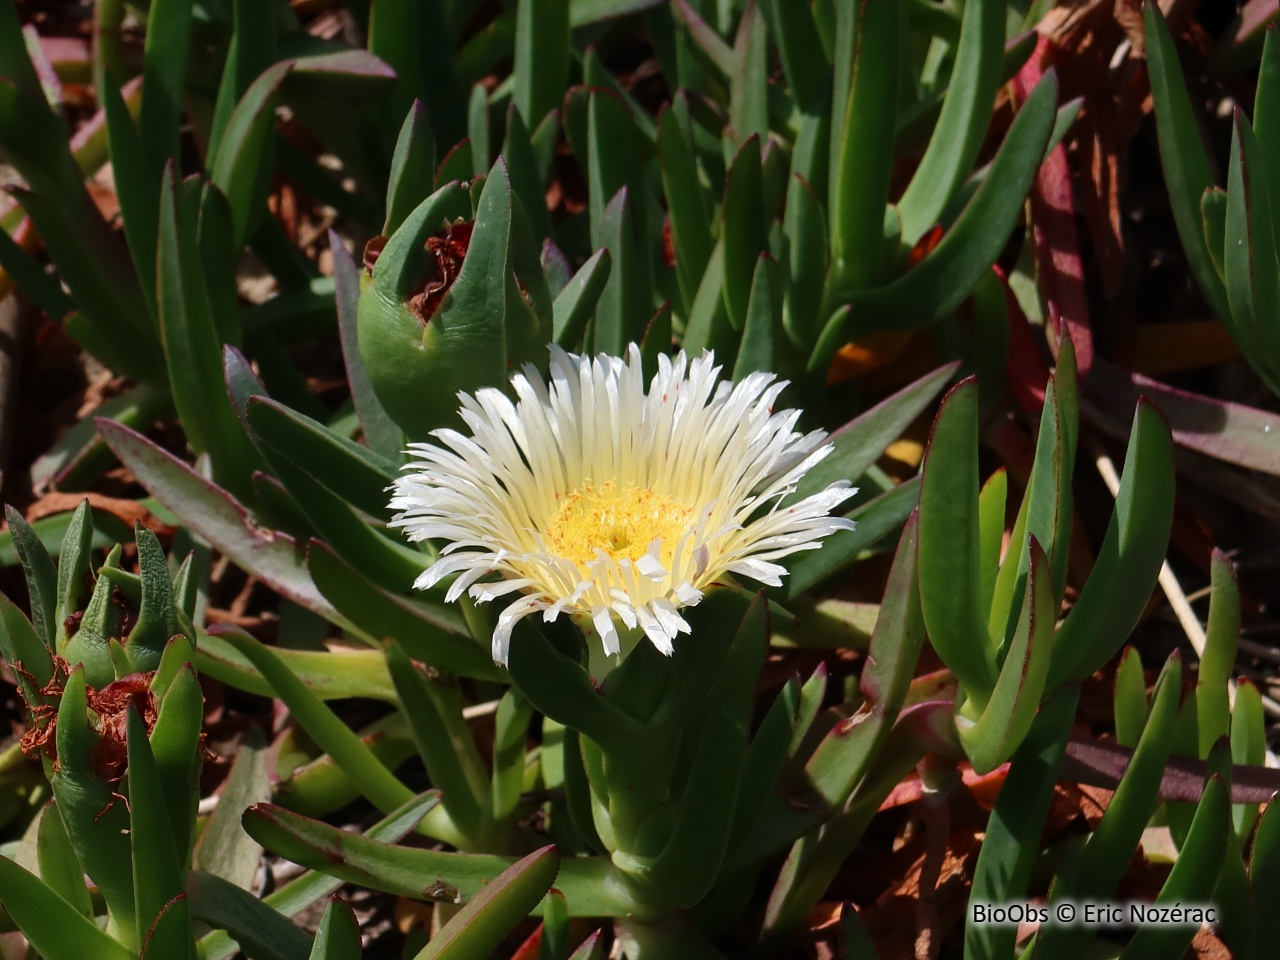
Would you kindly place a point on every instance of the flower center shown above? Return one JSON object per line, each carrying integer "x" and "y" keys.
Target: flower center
{"x": 620, "y": 521}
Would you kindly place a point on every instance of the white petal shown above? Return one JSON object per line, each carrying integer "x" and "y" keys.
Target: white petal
{"x": 717, "y": 455}
{"x": 507, "y": 621}
{"x": 603, "y": 621}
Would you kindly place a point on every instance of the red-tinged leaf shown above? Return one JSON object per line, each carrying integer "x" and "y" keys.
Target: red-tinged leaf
{"x": 704, "y": 35}
{"x": 531, "y": 949}
{"x": 343, "y": 67}
{"x": 1233, "y": 432}
{"x": 590, "y": 884}
{"x": 1101, "y": 763}
{"x": 1027, "y": 371}
{"x": 841, "y": 759}
{"x": 1053, "y": 231}
{"x": 949, "y": 563}
{"x": 218, "y": 517}
{"x": 591, "y": 948}
{"x": 482, "y": 924}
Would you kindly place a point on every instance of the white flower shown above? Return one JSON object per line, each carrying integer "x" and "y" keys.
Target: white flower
{"x": 594, "y": 498}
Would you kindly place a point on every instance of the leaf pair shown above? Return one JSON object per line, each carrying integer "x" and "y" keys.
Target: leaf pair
{"x": 993, "y": 622}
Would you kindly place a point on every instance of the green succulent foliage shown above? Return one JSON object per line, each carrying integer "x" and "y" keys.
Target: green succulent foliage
{"x": 496, "y": 314}
{"x": 122, "y": 753}
{"x": 750, "y": 217}
{"x": 1229, "y": 236}
{"x": 994, "y": 621}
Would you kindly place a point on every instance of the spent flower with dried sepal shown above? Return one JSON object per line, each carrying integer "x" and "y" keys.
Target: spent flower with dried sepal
{"x": 593, "y": 497}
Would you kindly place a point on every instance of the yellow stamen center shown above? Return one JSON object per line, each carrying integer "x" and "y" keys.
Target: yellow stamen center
{"x": 620, "y": 521}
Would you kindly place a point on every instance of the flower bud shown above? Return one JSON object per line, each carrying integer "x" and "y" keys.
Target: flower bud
{"x": 449, "y": 304}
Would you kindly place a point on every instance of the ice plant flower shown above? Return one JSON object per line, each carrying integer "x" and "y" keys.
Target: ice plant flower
{"x": 594, "y": 498}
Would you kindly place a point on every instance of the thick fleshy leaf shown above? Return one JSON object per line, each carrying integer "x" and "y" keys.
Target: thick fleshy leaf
{"x": 430, "y": 632}
{"x": 991, "y": 506}
{"x": 137, "y": 186}
{"x": 1045, "y": 514}
{"x": 259, "y": 929}
{"x": 311, "y": 887}
{"x": 97, "y": 822}
{"x": 192, "y": 345}
{"x": 527, "y": 183}
{"x": 805, "y": 228}
{"x": 541, "y": 65}
{"x": 792, "y": 28}
{"x": 749, "y": 82}
{"x": 962, "y": 125}
{"x": 252, "y": 50}
{"x": 705, "y": 36}
{"x": 816, "y": 857}
{"x": 176, "y": 740}
{"x": 1130, "y": 557}
{"x": 874, "y": 520}
{"x": 1108, "y": 851}
{"x": 861, "y": 441}
{"x": 510, "y": 734}
{"x": 386, "y": 560}
{"x": 157, "y": 620}
{"x": 1217, "y": 662}
{"x": 766, "y": 756}
{"x": 622, "y": 309}
{"x": 1264, "y": 873}
{"x": 217, "y": 517}
{"x": 446, "y": 746}
{"x": 707, "y": 326}
{"x": 950, "y": 562}
{"x": 50, "y": 923}
{"x": 338, "y": 936}
{"x": 576, "y": 303}
{"x": 224, "y": 849}
{"x": 478, "y": 928}
{"x": 353, "y": 472}
{"x": 1182, "y": 154}
{"x": 687, "y": 211}
{"x": 764, "y": 322}
{"x": 560, "y": 688}
{"x": 587, "y": 882}
{"x": 164, "y": 69}
{"x": 58, "y": 865}
{"x": 743, "y": 232}
{"x": 585, "y": 12}
{"x": 1226, "y": 431}
{"x": 1013, "y": 834}
{"x": 412, "y": 167}
{"x": 157, "y": 870}
{"x": 1249, "y": 256}
{"x": 381, "y": 434}
{"x": 330, "y": 675}
{"x": 242, "y": 167}
{"x": 688, "y": 865}
{"x": 841, "y": 759}
{"x": 317, "y": 787}
{"x": 22, "y": 646}
{"x": 1248, "y": 746}
{"x": 323, "y": 725}
{"x": 1192, "y": 879}
{"x": 942, "y": 281}
{"x": 863, "y": 159}
{"x": 1130, "y": 705}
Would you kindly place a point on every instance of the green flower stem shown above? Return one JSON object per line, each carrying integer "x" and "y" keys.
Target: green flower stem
{"x": 637, "y": 781}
